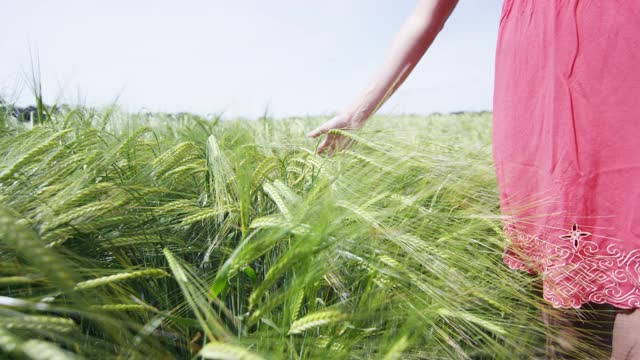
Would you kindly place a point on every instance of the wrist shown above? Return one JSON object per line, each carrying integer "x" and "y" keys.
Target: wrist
{"x": 358, "y": 115}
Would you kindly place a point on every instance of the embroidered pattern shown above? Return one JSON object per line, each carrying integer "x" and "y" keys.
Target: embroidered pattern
{"x": 579, "y": 270}
{"x": 575, "y": 235}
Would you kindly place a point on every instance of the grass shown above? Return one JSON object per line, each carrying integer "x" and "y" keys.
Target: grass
{"x": 162, "y": 236}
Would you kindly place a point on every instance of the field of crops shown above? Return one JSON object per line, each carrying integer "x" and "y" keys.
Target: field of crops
{"x": 159, "y": 236}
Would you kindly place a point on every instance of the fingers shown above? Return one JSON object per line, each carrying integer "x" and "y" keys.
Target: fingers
{"x": 333, "y": 144}
{"x": 330, "y": 143}
{"x": 323, "y": 146}
{"x": 334, "y": 147}
{"x": 315, "y": 133}
{"x": 346, "y": 143}
{"x": 320, "y": 130}
{"x": 331, "y": 124}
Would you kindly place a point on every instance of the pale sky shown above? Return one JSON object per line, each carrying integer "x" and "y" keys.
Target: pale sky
{"x": 240, "y": 57}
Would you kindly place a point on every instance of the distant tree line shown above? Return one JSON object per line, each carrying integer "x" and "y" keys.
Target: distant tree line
{"x": 31, "y": 113}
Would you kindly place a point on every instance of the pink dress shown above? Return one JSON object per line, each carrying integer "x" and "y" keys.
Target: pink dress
{"x": 566, "y": 146}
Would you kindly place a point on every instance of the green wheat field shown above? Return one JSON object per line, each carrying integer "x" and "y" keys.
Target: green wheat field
{"x": 160, "y": 236}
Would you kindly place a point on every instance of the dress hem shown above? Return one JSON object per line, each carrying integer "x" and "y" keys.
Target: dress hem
{"x": 566, "y": 283}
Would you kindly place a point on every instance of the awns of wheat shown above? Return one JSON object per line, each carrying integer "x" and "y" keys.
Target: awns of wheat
{"x": 142, "y": 236}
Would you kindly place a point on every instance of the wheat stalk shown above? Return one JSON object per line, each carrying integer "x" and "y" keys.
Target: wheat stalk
{"x": 111, "y": 279}
{"x": 315, "y": 320}
{"x": 222, "y": 351}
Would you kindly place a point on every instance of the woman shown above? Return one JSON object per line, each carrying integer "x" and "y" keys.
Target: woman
{"x": 566, "y": 148}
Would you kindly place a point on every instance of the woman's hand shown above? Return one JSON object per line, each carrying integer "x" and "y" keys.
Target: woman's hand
{"x": 410, "y": 44}
{"x": 333, "y": 142}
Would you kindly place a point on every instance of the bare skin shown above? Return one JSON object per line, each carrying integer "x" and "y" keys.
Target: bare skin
{"x": 626, "y": 336}
{"x": 600, "y": 330}
{"x": 414, "y": 39}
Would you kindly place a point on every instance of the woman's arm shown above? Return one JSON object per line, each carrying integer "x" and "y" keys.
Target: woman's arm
{"x": 413, "y": 40}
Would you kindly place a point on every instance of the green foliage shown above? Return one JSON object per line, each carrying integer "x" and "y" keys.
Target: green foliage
{"x": 142, "y": 236}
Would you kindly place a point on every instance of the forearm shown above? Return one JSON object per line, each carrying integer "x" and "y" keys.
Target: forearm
{"x": 410, "y": 44}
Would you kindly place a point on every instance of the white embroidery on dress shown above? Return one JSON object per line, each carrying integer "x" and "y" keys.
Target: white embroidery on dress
{"x": 577, "y": 273}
